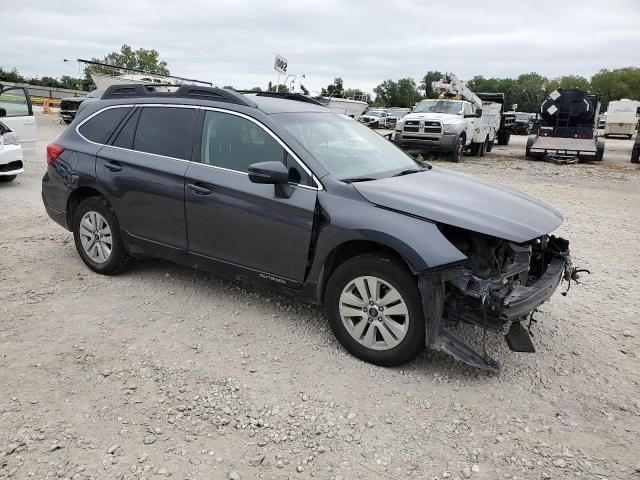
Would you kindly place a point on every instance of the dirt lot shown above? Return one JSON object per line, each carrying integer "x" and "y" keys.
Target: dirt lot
{"x": 168, "y": 372}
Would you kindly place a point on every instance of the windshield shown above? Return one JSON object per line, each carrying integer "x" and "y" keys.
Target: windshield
{"x": 346, "y": 148}
{"x": 522, "y": 116}
{"x": 453, "y": 107}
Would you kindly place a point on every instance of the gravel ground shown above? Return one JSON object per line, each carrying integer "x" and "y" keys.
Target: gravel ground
{"x": 164, "y": 371}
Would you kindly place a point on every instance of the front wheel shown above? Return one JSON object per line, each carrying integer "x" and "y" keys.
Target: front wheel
{"x": 97, "y": 236}
{"x": 374, "y": 309}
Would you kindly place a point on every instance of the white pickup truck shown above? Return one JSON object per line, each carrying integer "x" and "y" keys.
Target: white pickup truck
{"x": 449, "y": 125}
{"x": 457, "y": 121}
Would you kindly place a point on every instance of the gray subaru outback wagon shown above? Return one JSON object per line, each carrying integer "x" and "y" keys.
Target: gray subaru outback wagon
{"x": 281, "y": 191}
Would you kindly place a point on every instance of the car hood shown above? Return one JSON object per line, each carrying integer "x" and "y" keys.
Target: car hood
{"x": 464, "y": 201}
{"x": 448, "y": 117}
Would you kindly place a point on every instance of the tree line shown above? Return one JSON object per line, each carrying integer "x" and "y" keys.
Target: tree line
{"x": 527, "y": 91}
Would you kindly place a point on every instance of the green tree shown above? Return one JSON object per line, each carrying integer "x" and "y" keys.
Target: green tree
{"x": 144, "y": 59}
{"x": 616, "y": 84}
{"x": 531, "y": 90}
{"x": 425, "y": 84}
{"x": 403, "y": 93}
{"x": 569, "y": 81}
{"x": 11, "y": 76}
{"x": 336, "y": 89}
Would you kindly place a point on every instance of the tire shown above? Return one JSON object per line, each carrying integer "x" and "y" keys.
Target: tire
{"x": 96, "y": 257}
{"x": 489, "y": 146}
{"x": 504, "y": 137}
{"x": 458, "y": 149}
{"x": 483, "y": 147}
{"x": 635, "y": 156}
{"x": 530, "y": 142}
{"x": 67, "y": 121}
{"x": 385, "y": 348}
{"x": 475, "y": 148}
{"x": 7, "y": 178}
{"x": 599, "y": 151}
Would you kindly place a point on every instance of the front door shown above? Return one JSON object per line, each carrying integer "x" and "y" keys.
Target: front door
{"x": 142, "y": 171}
{"x": 233, "y": 220}
{"x": 16, "y": 112}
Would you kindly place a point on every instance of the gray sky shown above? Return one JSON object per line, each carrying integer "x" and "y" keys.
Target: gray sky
{"x": 364, "y": 42}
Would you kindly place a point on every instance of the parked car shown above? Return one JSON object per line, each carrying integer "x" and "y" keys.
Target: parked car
{"x": 523, "y": 124}
{"x": 293, "y": 196}
{"x": 69, "y": 106}
{"x": 10, "y": 154}
{"x": 377, "y": 119}
{"x": 16, "y": 112}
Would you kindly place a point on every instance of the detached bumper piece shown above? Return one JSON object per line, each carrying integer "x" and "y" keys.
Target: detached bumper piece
{"x": 498, "y": 303}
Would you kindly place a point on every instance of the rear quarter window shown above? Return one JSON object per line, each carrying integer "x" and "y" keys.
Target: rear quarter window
{"x": 99, "y": 128}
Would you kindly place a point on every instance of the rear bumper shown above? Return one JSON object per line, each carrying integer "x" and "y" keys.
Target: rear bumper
{"x": 70, "y": 115}
{"x": 58, "y": 216}
{"x": 439, "y": 142}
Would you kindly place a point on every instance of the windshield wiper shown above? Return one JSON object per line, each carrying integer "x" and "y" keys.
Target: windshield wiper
{"x": 358, "y": 179}
{"x": 412, "y": 170}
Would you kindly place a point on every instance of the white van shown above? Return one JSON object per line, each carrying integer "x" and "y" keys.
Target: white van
{"x": 16, "y": 112}
{"x": 622, "y": 117}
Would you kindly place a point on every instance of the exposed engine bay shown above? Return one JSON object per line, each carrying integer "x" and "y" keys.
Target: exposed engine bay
{"x": 498, "y": 288}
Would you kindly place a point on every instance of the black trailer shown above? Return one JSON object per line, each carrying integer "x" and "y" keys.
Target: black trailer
{"x": 566, "y": 132}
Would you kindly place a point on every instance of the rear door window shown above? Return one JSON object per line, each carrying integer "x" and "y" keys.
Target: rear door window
{"x": 124, "y": 139}
{"x": 99, "y": 128}
{"x": 166, "y": 131}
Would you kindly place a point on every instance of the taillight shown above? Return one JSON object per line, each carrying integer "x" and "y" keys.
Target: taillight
{"x": 53, "y": 152}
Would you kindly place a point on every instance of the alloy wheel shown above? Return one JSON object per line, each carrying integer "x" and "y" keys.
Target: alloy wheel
{"x": 95, "y": 235}
{"x": 374, "y": 313}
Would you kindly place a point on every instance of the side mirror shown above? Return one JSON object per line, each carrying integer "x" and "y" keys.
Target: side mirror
{"x": 273, "y": 173}
{"x": 3, "y": 112}
{"x": 478, "y": 112}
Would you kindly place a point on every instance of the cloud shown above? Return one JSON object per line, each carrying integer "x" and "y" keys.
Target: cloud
{"x": 234, "y": 42}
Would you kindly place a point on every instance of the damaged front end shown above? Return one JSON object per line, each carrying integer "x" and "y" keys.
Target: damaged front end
{"x": 498, "y": 287}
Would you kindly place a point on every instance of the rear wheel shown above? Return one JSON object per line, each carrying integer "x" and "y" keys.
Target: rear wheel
{"x": 635, "y": 156}
{"x": 97, "y": 236}
{"x": 7, "y": 178}
{"x": 489, "y": 146}
{"x": 483, "y": 147}
{"x": 374, "y": 309}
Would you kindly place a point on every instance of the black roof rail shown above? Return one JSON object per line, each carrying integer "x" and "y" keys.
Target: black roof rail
{"x": 137, "y": 90}
{"x": 288, "y": 96}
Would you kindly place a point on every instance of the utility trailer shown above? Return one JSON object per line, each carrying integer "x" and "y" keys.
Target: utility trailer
{"x": 507, "y": 119}
{"x": 567, "y": 130}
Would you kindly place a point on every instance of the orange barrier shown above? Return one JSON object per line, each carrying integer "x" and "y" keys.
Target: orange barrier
{"x": 46, "y": 108}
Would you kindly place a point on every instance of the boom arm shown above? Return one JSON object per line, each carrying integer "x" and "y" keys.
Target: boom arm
{"x": 452, "y": 86}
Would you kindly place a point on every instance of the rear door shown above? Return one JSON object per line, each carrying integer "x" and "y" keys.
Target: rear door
{"x": 16, "y": 112}
{"x": 233, "y": 220}
{"x": 142, "y": 171}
